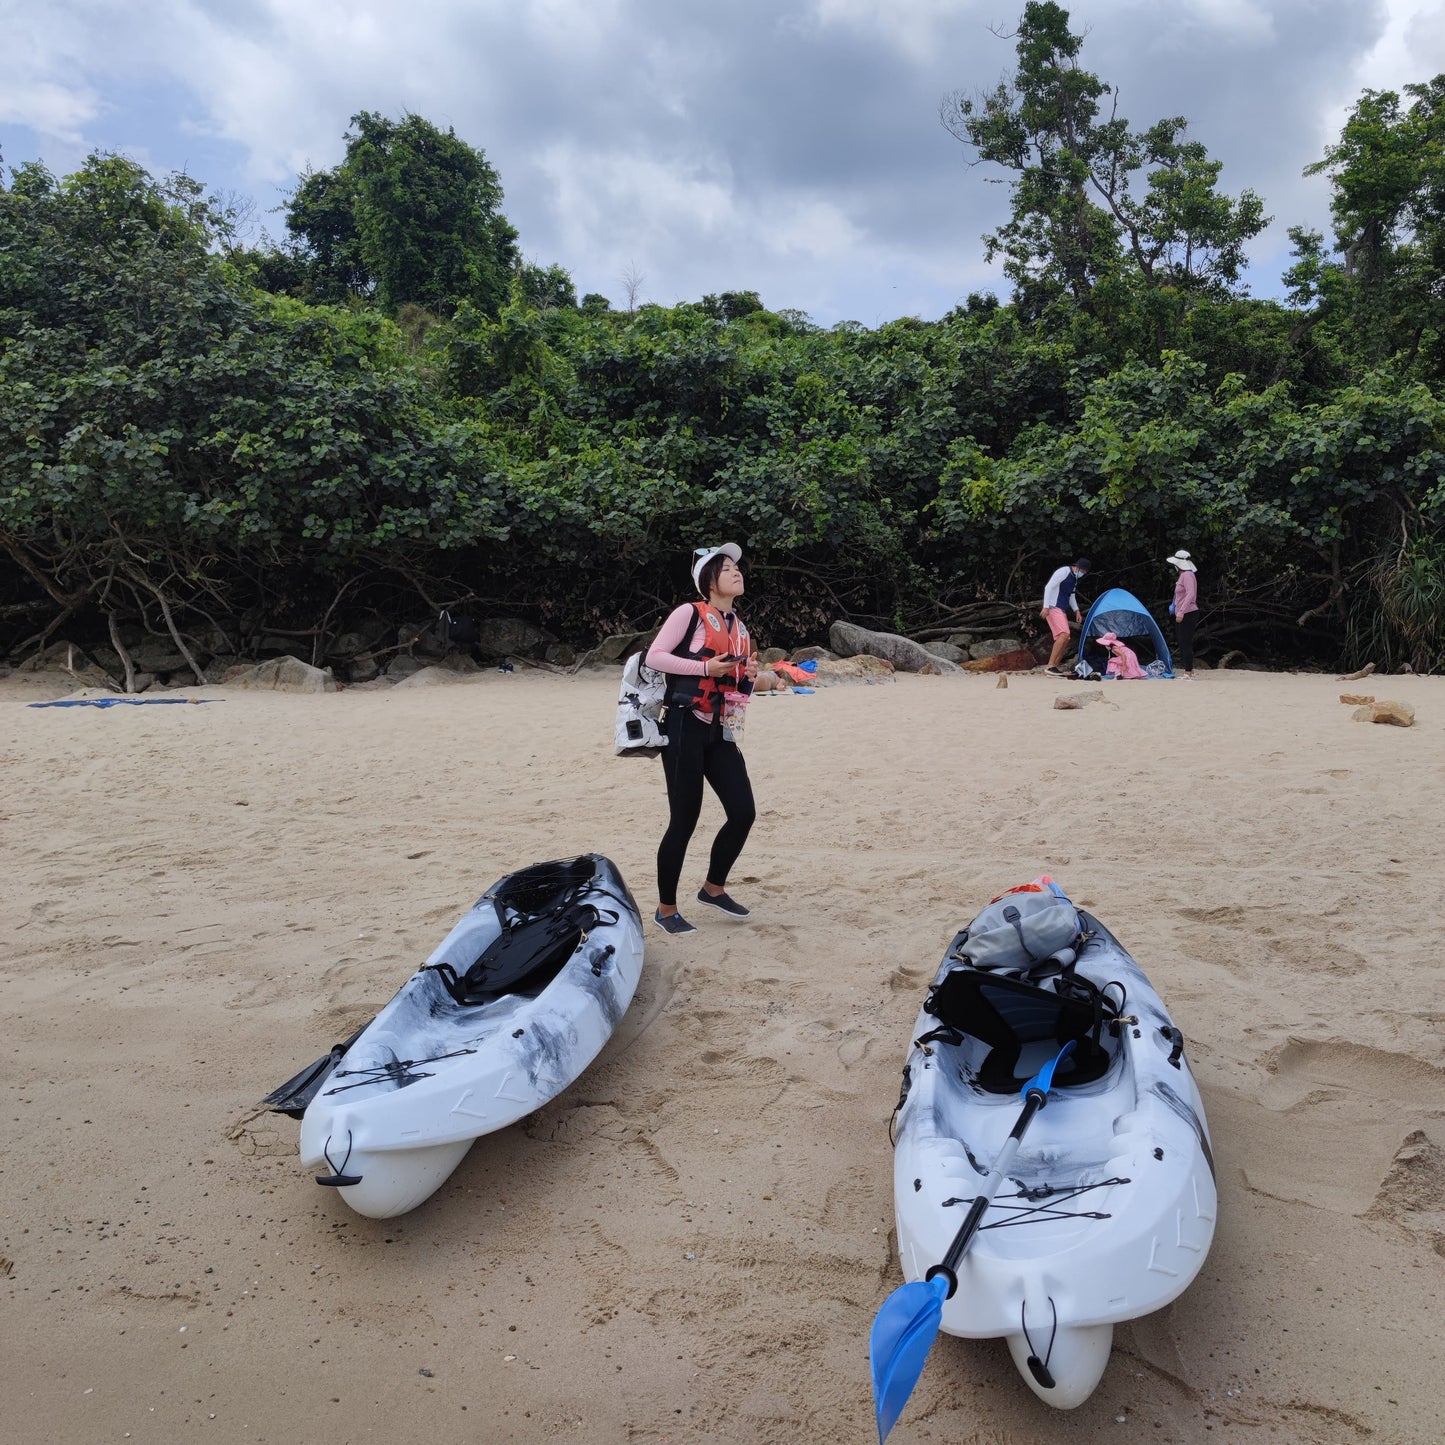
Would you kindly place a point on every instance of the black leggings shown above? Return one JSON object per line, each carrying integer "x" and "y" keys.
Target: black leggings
{"x": 696, "y": 751}
{"x": 1184, "y": 628}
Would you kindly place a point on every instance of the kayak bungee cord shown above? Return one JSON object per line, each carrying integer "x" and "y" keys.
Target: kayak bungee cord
{"x": 1021, "y": 1212}
{"x": 396, "y": 1071}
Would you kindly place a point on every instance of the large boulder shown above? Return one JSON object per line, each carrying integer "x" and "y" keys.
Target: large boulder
{"x": 363, "y": 668}
{"x": 503, "y": 636}
{"x": 435, "y": 676}
{"x": 284, "y": 674}
{"x": 1021, "y": 661}
{"x": 621, "y": 645}
{"x": 948, "y": 651}
{"x": 993, "y": 646}
{"x": 848, "y": 640}
{"x": 811, "y": 654}
{"x": 403, "y": 664}
{"x": 831, "y": 672}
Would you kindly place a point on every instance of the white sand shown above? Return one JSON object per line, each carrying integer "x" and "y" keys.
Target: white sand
{"x": 690, "y": 1244}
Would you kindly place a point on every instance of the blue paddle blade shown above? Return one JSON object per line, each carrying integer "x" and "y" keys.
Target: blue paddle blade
{"x": 1044, "y": 1079}
{"x": 903, "y": 1333}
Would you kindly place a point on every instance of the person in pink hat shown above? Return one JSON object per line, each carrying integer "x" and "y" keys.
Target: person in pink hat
{"x": 1123, "y": 660}
{"x": 1185, "y": 608}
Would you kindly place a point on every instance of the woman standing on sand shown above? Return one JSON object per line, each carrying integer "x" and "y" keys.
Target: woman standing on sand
{"x": 1185, "y": 608}
{"x": 704, "y": 648}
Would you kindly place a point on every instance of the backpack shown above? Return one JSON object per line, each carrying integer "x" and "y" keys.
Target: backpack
{"x": 1021, "y": 929}
{"x": 640, "y": 703}
{"x": 458, "y": 628}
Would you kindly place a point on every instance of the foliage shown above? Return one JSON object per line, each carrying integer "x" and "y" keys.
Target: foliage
{"x": 411, "y": 215}
{"x": 391, "y": 413}
{"x": 1095, "y": 203}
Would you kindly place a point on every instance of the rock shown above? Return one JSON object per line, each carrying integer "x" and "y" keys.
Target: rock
{"x": 153, "y": 655}
{"x": 349, "y": 644}
{"x": 771, "y": 655}
{"x": 1042, "y": 648}
{"x": 946, "y": 650}
{"x": 284, "y": 674}
{"x": 1397, "y": 714}
{"x": 51, "y": 659}
{"x": 403, "y": 664}
{"x": 559, "y": 654}
{"x": 811, "y": 654}
{"x": 216, "y": 669}
{"x": 1021, "y": 661}
{"x": 375, "y": 684}
{"x": 1356, "y": 699}
{"x": 363, "y": 668}
{"x": 863, "y": 669}
{"x": 994, "y": 647}
{"x": 460, "y": 662}
{"x": 1002, "y": 680}
{"x": 848, "y": 640}
{"x": 503, "y": 636}
{"x": 1069, "y": 701}
{"x": 431, "y": 677}
{"x": 621, "y": 646}
{"x": 964, "y": 640}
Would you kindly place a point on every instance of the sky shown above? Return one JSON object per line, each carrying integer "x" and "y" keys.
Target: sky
{"x": 787, "y": 147}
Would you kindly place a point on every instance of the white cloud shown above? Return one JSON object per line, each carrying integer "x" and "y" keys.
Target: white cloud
{"x": 787, "y": 146}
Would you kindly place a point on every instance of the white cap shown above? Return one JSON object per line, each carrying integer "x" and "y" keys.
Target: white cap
{"x": 1182, "y": 561}
{"x": 703, "y": 555}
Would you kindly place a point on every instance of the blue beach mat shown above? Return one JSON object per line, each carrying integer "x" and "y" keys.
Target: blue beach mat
{"x": 116, "y": 701}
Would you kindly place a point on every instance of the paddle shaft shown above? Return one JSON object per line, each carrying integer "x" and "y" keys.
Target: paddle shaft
{"x": 974, "y": 1217}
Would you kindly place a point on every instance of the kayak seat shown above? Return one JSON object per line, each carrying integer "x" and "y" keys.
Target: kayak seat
{"x": 1023, "y": 1026}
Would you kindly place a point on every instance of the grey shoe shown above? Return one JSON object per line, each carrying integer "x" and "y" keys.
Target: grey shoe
{"x": 672, "y": 923}
{"x": 723, "y": 904}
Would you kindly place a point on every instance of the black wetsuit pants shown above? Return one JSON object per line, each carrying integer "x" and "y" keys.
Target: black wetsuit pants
{"x": 1184, "y": 628}
{"x": 697, "y": 751}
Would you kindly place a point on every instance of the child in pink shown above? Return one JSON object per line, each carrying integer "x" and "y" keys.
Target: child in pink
{"x": 1122, "y": 660}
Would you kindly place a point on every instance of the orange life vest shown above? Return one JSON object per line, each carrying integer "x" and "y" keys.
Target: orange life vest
{"x": 706, "y": 693}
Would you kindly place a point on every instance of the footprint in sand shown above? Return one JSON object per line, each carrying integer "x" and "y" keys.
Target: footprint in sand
{"x": 1360, "y": 1108}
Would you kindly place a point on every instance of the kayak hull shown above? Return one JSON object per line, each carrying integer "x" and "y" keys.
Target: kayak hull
{"x": 1108, "y": 1211}
{"x": 401, "y": 1107}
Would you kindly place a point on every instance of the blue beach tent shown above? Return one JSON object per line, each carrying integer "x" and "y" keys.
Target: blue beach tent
{"x": 1121, "y": 613}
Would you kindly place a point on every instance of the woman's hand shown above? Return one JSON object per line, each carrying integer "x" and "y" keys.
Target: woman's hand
{"x": 720, "y": 666}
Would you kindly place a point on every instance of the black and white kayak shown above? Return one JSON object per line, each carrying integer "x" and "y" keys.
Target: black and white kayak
{"x": 1106, "y": 1211}
{"x": 514, "y": 1004}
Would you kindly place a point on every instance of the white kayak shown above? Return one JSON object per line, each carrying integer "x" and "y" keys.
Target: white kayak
{"x": 1107, "y": 1211}
{"x": 512, "y": 1006}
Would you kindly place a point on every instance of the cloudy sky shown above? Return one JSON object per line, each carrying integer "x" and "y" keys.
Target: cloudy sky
{"x": 790, "y": 147}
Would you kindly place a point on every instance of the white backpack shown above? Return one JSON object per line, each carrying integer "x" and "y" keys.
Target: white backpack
{"x": 639, "y": 710}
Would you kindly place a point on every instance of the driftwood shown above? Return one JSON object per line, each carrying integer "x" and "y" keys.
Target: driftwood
{"x": 1365, "y": 671}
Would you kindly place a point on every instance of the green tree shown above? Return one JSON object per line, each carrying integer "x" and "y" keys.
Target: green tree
{"x": 1095, "y": 203}
{"x": 1387, "y": 174}
{"x": 411, "y": 215}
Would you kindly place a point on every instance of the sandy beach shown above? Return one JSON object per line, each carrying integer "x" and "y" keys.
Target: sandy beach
{"x": 691, "y": 1242}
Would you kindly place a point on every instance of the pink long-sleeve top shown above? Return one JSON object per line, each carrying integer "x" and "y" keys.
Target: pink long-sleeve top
{"x": 1186, "y": 594}
{"x": 684, "y": 625}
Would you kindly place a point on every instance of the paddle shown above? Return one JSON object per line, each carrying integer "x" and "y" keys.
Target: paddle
{"x": 907, "y": 1325}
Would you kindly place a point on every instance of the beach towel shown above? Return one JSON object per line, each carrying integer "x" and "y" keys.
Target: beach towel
{"x": 116, "y": 701}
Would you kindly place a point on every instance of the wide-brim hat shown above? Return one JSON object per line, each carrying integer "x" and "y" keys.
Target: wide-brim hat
{"x": 703, "y": 555}
{"x": 1107, "y": 639}
{"x": 1182, "y": 560}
